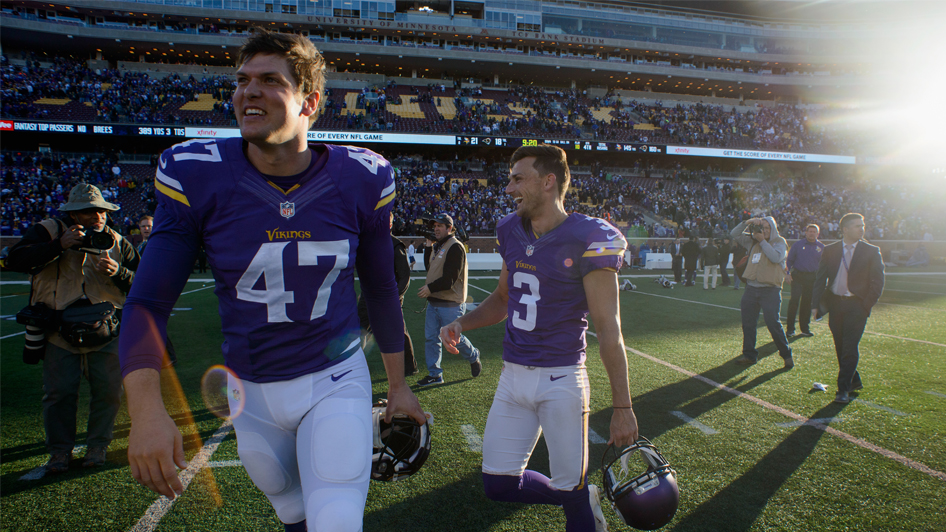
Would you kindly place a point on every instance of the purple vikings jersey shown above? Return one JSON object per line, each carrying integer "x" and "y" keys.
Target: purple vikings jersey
{"x": 283, "y": 262}
{"x": 547, "y": 314}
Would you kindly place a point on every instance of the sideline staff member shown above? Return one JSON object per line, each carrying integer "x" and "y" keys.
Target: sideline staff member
{"x": 802, "y": 265}
{"x": 853, "y": 273}
{"x": 445, "y": 291}
{"x": 64, "y": 277}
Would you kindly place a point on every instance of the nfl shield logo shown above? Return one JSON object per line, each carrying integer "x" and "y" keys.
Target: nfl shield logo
{"x": 529, "y": 250}
{"x": 287, "y": 210}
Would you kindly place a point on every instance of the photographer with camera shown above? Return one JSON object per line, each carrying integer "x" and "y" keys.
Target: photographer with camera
{"x": 81, "y": 271}
{"x": 764, "y": 275}
{"x": 445, "y": 290}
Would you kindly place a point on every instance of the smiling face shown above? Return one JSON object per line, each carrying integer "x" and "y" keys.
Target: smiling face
{"x": 526, "y": 187}
{"x": 270, "y": 109}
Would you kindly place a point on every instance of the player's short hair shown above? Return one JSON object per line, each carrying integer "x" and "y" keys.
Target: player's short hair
{"x": 849, "y": 217}
{"x": 145, "y": 218}
{"x": 548, "y": 160}
{"x": 813, "y": 225}
{"x": 305, "y": 61}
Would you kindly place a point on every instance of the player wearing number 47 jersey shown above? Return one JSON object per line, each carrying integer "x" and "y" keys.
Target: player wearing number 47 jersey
{"x": 557, "y": 268}
{"x": 285, "y": 225}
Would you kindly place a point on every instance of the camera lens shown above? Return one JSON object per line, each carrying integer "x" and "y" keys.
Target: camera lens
{"x": 101, "y": 240}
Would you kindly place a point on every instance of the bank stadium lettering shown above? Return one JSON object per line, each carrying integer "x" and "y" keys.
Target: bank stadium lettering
{"x": 556, "y": 37}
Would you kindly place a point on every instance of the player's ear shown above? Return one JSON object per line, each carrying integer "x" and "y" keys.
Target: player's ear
{"x": 310, "y": 104}
{"x": 550, "y": 182}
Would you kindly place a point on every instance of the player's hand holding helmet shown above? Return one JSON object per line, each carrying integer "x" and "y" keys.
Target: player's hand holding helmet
{"x": 644, "y": 500}
{"x": 400, "y": 447}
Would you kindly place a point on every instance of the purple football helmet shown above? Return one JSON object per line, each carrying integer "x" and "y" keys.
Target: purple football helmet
{"x": 400, "y": 447}
{"x": 648, "y": 500}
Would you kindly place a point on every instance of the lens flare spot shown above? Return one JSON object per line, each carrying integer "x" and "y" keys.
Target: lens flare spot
{"x": 223, "y": 392}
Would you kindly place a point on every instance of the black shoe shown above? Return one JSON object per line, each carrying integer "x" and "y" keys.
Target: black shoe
{"x": 789, "y": 362}
{"x": 857, "y": 387}
{"x": 476, "y": 368}
{"x": 58, "y": 462}
{"x": 745, "y": 361}
{"x": 430, "y": 379}
{"x": 789, "y": 333}
{"x": 842, "y": 397}
{"x": 408, "y": 372}
{"x": 94, "y": 457}
{"x": 807, "y": 334}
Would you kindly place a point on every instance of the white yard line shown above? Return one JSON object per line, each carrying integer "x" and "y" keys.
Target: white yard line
{"x": 937, "y": 394}
{"x": 12, "y": 335}
{"x": 473, "y": 439}
{"x": 225, "y": 463}
{"x": 197, "y": 290}
{"x": 694, "y": 423}
{"x": 153, "y": 516}
{"x": 881, "y": 407}
{"x": 594, "y": 437}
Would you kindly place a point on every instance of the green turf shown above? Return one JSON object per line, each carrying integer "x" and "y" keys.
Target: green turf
{"x": 753, "y": 474}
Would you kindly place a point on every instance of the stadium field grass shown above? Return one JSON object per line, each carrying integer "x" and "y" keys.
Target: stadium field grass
{"x": 742, "y": 464}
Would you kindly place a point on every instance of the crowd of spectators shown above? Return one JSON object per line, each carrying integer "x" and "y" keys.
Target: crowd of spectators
{"x": 35, "y": 185}
{"x": 111, "y": 95}
{"x": 648, "y": 201}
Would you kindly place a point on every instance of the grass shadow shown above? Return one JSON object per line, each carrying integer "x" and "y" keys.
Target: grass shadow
{"x": 736, "y": 507}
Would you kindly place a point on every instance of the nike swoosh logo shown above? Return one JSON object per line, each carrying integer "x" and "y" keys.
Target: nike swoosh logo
{"x": 336, "y": 377}
{"x": 553, "y": 379}
{"x": 162, "y": 162}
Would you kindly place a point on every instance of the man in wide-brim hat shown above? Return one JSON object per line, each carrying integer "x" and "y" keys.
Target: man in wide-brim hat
{"x": 70, "y": 270}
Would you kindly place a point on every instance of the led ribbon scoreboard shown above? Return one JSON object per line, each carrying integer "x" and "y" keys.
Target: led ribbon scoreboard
{"x": 176, "y": 132}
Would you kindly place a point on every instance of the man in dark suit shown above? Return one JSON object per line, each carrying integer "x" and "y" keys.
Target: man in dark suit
{"x": 849, "y": 282}
{"x": 691, "y": 254}
{"x": 676, "y": 252}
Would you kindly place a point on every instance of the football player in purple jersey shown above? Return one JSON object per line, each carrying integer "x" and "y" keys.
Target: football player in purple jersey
{"x": 285, "y": 225}
{"x": 557, "y": 268}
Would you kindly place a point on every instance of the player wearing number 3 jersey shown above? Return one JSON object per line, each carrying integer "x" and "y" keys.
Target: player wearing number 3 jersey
{"x": 285, "y": 225}
{"x": 557, "y": 268}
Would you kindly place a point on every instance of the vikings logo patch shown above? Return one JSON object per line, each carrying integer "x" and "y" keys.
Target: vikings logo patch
{"x": 287, "y": 210}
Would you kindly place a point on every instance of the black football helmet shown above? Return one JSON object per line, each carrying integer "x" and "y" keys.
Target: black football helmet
{"x": 400, "y": 447}
{"x": 648, "y": 500}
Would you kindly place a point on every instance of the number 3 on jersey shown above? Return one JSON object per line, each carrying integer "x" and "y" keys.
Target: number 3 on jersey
{"x": 268, "y": 263}
{"x": 529, "y": 300}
